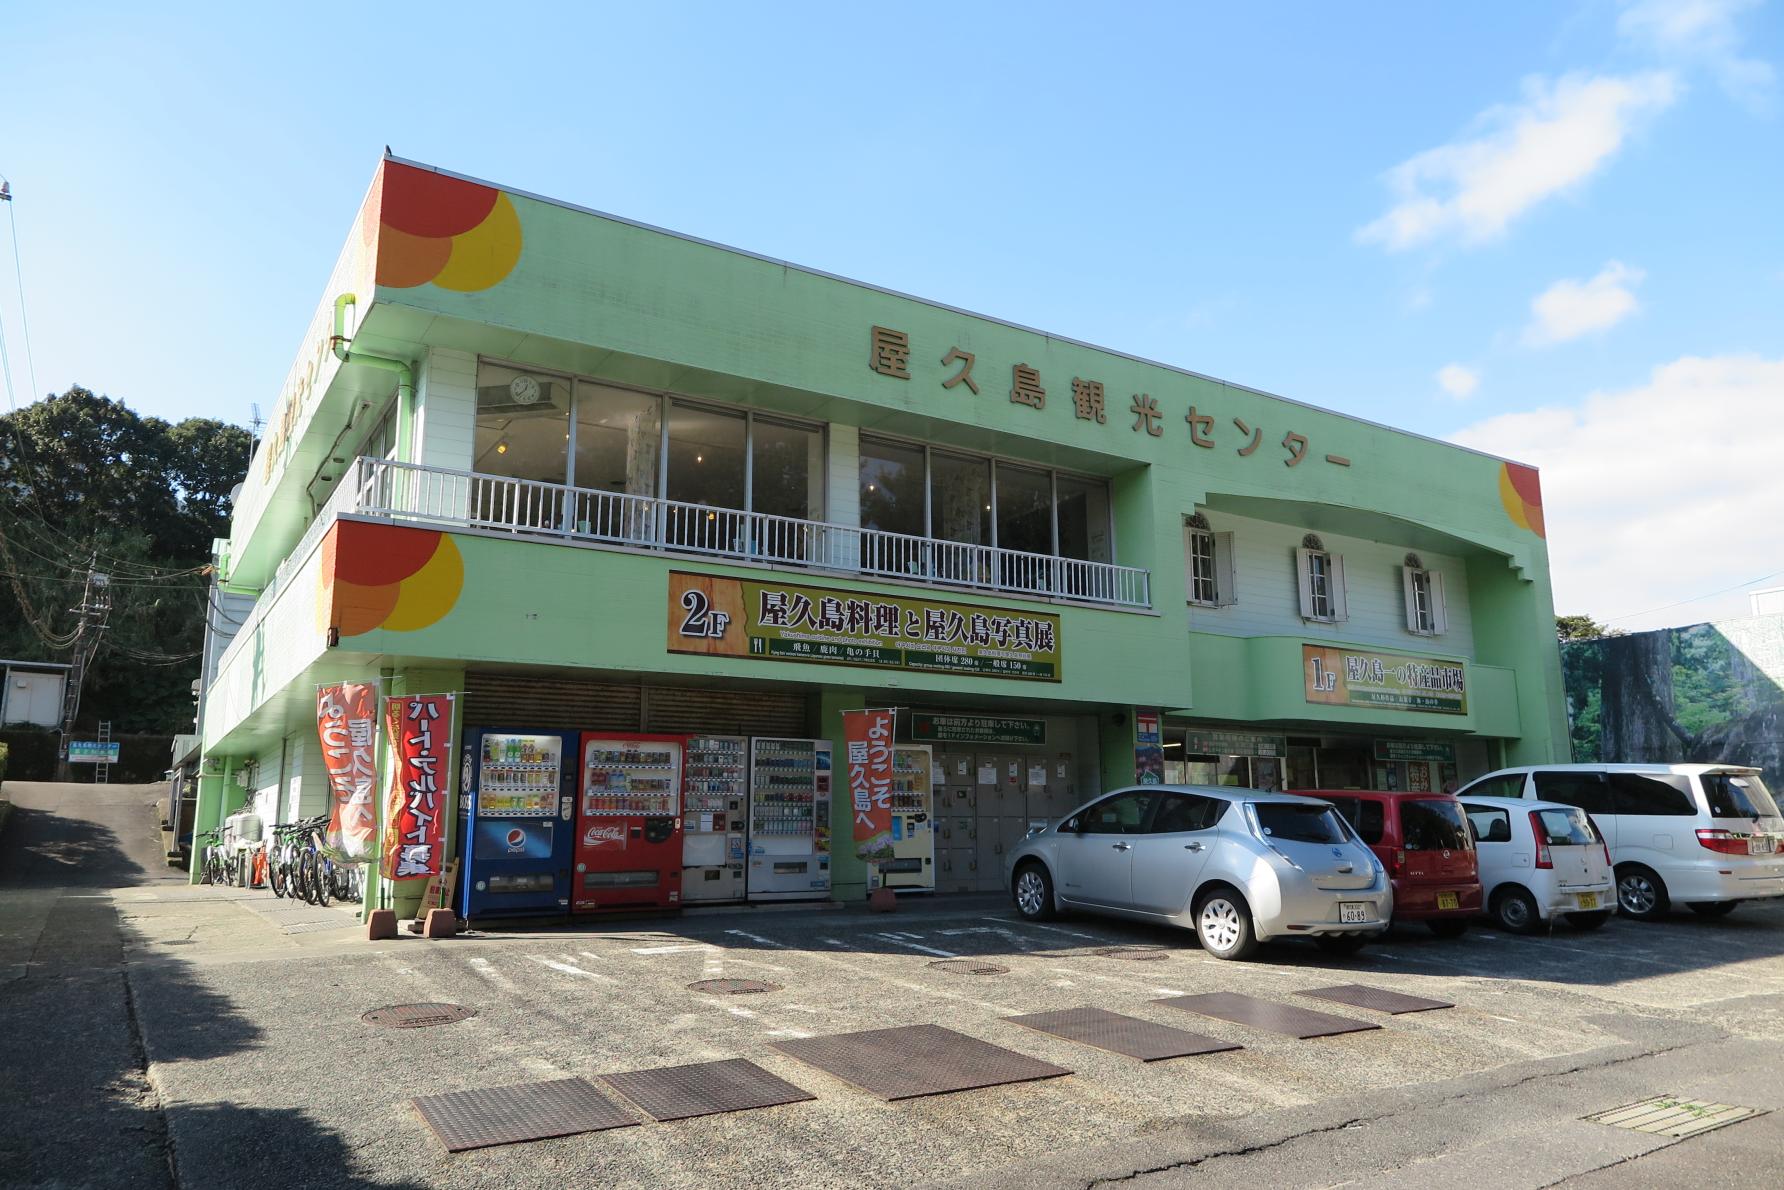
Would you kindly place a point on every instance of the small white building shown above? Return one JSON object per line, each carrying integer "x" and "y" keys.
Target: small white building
{"x": 33, "y": 693}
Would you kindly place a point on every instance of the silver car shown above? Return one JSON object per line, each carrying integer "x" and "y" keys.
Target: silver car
{"x": 1238, "y": 865}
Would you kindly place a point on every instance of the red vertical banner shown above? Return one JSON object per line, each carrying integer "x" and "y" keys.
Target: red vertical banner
{"x": 420, "y": 730}
{"x": 868, "y": 736}
{"x": 346, "y": 723}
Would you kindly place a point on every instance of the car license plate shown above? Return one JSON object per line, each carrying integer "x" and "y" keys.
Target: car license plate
{"x": 1759, "y": 845}
{"x": 1447, "y": 901}
{"x": 1588, "y": 900}
{"x": 1351, "y": 911}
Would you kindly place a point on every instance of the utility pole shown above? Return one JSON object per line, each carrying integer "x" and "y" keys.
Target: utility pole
{"x": 94, "y": 613}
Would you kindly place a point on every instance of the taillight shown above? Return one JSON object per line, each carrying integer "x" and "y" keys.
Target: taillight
{"x": 1607, "y": 852}
{"x": 1542, "y": 841}
{"x": 1726, "y": 842}
{"x": 1398, "y": 864}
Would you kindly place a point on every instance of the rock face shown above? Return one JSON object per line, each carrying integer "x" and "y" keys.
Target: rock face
{"x": 1706, "y": 692}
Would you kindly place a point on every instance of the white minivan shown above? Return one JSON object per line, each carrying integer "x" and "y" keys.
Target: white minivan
{"x": 1708, "y": 836}
{"x": 1539, "y": 861}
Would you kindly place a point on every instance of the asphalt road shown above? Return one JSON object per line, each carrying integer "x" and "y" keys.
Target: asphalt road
{"x": 214, "y": 1048}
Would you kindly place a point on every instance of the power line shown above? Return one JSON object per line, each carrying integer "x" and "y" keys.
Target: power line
{"x": 18, "y": 272}
{"x": 1698, "y": 598}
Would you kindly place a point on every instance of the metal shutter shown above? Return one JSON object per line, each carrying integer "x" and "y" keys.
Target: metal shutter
{"x": 550, "y": 703}
{"x": 726, "y": 712}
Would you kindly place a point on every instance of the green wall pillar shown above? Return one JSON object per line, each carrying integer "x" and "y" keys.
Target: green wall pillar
{"x": 1115, "y": 737}
{"x": 1514, "y": 626}
{"x": 212, "y": 807}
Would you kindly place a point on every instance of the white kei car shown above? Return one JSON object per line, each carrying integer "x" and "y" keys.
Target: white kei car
{"x": 1539, "y": 861}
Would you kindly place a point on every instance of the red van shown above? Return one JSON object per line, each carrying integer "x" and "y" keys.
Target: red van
{"x": 1424, "y": 842}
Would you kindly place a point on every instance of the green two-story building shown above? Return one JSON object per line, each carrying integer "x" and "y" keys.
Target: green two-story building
{"x": 593, "y": 476}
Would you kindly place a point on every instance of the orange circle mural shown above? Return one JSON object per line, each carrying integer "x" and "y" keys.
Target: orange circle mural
{"x": 434, "y": 228}
{"x": 387, "y": 576}
{"x": 1521, "y": 493}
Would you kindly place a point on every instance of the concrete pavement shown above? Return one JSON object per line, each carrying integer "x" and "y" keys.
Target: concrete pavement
{"x": 258, "y": 1069}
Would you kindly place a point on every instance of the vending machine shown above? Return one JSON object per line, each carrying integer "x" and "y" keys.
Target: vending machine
{"x": 912, "y": 866}
{"x": 714, "y": 818}
{"x": 628, "y": 823}
{"x": 789, "y": 835}
{"x": 516, "y": 815}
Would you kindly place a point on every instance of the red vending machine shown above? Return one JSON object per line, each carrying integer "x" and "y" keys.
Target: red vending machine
{"x": 628, "y": 823}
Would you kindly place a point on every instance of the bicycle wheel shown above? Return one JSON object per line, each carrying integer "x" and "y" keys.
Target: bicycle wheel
{"x": 306, "y": 876}
{"x": 324, "y": 878}
{"x": 275, "y": 871}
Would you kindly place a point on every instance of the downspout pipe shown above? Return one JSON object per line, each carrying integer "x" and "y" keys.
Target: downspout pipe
{"x": 405, "y": 371}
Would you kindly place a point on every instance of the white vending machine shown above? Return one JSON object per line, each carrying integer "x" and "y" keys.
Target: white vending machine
{"x": 715, "y": 798}
{"x": 912, "y": 866}
{"x": 789, "y": 819}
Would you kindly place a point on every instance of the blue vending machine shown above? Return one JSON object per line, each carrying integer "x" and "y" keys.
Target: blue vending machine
{"x": 517, "y": 820}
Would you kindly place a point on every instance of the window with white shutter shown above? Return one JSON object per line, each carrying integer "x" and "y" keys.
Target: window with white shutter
{"x": 1319, "y": 574}
{"x": 1423, "y": 589}
{"x": 1208, "y": 564}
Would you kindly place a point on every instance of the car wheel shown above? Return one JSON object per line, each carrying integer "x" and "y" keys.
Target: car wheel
{"x": 1223, "y": 924}
{"x": 1712, "y": 908}
{"x": 1516, "y": 910}
{"x": 1641, "y": 894}
{"x": 1588, "y": 921}
{"x": 1033, "y": 891}
{"x": 1341, "y": 945}
{"x": 1448, "y": 927}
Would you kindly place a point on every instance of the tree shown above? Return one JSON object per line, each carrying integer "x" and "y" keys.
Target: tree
{"x": 1582, "y": 628}
{"x": 86, "y": 481}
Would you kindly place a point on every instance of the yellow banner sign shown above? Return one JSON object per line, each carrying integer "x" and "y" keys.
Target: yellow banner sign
{"x": 1362, "y": 678}
{"x": 774, "y": 621}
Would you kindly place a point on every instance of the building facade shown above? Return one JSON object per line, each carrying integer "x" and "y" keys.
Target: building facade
{"x": 594, "y": 476}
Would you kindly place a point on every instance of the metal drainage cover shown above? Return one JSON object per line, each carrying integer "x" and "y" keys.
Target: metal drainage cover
{"x": 733, "y": 987}
{"x": 1666, "y": 1116}
{"x": 417, "y": 1016}
{"x": 968, "y": 967}
{"x": 1137, "y": 954}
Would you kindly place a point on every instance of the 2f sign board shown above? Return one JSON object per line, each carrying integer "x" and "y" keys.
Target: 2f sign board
{"x": 92, "y": 752}
{"x": 771, "y": 621}
{"x": 1361, "y": 678}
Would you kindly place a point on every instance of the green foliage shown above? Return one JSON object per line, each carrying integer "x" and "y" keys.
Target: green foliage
{"x": 4, "y": 750}
{"x": 84, "y": 479}
{"x": 1705, "y": 694}
{"x": 1571, "y": 628}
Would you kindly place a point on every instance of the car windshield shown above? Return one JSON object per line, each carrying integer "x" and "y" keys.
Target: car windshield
{"x": 1738, "y": 795}
{"x": 1433, "y": 825}
{"x": 1566, "y": 828}
{"x": 1313, "y": 823}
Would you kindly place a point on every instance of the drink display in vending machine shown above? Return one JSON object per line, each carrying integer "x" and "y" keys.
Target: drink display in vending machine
{"x": 515, "y": 819}
{"x": 715, "y": 797}
{"x": 789, "y": 836}
{"x": 628, "y": 823}
{"x": 912, "y": 865}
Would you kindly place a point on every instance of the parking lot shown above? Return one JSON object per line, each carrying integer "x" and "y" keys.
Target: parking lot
{"x": 1568, "y": 1018}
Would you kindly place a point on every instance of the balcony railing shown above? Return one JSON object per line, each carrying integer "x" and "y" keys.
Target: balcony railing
{"x": 434, "y": 495}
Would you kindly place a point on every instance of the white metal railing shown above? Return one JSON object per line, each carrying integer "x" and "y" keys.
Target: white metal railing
{"x": 409, "y": 492}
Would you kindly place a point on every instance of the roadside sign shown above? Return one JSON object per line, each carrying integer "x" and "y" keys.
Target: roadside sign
{"x": 92, "y": 752}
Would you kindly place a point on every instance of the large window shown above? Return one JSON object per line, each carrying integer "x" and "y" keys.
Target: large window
{"x": 945, "y": 496}
{"x": 613, "y": 443}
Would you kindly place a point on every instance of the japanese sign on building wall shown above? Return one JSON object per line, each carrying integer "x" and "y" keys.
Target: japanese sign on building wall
{"x": 978, "y": 729}
{"x": 1362, "y": 678}
{"x": 1149, "y": 754}
{"x": 889, "y": 354}
{"x": 1233, "y": 743}
{"x": 1419, "y": 750}
{"x": 729, "y": 617}
{"x": 867, "y": 737}
{"x": 347, "y": 725}
{"x": 420, "y": 727}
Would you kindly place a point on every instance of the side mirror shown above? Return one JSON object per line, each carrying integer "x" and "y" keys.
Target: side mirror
{"x": 1070, "y": 826}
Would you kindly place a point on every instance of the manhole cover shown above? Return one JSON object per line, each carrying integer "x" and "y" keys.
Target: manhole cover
{"x": 417, "y": 1016}
{"x": 733, "y": 987}
{"x": 1666, "y": 1116}
{"x": 1137, "y": 954}
{"x": 968, "y": 967}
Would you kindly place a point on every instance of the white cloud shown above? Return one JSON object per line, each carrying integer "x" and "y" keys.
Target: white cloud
{"x": 1700, "y": 33}
{"x": 1660, "y": 493}
{"x": 1559, "y": 136}
{"x": 1457, "y": 381}
{"x": 1568, "y": 309}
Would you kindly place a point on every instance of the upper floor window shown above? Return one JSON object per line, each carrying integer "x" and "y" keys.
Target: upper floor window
{"x": 923, "y": 492}
{"x": 1425, "y": 611}
{"x": 1320, "y": 576}
{"x": 1208, "y": 563}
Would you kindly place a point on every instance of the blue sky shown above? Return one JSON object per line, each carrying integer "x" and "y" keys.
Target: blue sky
{"x": 1549, "y": 230}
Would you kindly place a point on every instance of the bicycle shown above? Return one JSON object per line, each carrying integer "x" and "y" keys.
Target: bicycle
{"x": 281, "y": 860}
{"x": 212, "y": 863}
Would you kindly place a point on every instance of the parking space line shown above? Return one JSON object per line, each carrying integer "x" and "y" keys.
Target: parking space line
{"x": 568, "y": 968}
{"x": 759, "y": 940}
{"x": 893, "y": 938}
{"x": 482, "y": 967}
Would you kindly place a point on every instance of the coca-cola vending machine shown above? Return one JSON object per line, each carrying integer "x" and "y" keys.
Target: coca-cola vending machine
{"x": 628, "y": 823}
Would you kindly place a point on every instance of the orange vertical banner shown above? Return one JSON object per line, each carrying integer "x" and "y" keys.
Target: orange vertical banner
{"x": 415, "y": 809}
{"x": 346, "y": 723}
{"x": 868, "y": 742}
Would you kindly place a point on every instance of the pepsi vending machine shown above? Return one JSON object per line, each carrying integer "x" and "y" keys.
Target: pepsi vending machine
{"x": 517, "y": 820}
